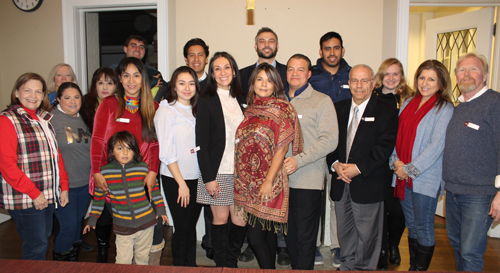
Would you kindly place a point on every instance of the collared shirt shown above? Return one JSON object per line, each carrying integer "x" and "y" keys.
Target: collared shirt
{"x": 203, "y": 77}
{"x": 477, "y": 95}
{"x": 273, "y": 63}
{"x": 297, "y": 92}
{"x": 361, "y": 109}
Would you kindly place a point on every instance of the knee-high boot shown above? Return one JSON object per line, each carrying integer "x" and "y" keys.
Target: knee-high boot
{"x": 191, "y": 248}
{"x": 235, "y": 241}
{"x": 219, "y": 243}
{"x": 423, "y": 257}
{"x": 412, "y": 246}
{"x": 102, "y": 233}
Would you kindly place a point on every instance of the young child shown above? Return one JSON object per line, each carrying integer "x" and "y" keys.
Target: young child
{"x": 133, "y": 216}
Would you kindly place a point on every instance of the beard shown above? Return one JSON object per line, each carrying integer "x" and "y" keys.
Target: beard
{"x": 270, "y": 56}
{"x": 467, "y": 87}
{"x": 327, "y": 62}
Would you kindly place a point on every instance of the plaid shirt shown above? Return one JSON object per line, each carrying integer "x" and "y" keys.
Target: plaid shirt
{"x": 34, "y": 158}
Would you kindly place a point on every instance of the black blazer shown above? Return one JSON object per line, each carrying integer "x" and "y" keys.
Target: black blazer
{"x": 211, "y": 134}
{"x": 371, "y": 148}
{"x": 246, "y": 72}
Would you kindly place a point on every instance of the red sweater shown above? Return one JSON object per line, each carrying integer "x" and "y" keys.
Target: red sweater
{"x": 106, "y": 125}
{"x": 16, "y": 178}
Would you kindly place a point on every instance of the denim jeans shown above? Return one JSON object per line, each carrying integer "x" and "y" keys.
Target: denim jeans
{"x": 419, "y": 213}
{"x": 34, "y": 226}
{"x": 70, "y": 218}
{"x": 467, "y": 224}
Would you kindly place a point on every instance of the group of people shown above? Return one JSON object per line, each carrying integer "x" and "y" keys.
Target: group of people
{"x": 255, "y": 148}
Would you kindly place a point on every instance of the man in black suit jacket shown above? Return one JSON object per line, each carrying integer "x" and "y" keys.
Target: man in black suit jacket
{"x": 266, "y": 45}
{"x": 359, "y": 170}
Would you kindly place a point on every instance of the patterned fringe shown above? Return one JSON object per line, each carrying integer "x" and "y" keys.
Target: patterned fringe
{"x": 266, "y": 224}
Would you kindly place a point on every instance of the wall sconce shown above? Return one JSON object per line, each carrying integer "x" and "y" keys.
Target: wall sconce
{"x": 250, "y": 4}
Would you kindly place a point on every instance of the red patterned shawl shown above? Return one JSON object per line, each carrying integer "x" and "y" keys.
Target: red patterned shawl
{"x": 269, "y": 125}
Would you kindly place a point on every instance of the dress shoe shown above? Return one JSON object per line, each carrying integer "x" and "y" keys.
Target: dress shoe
{"x": 394, "y": 256}
{"x": 382, "y": 261}
{"x": 247, "y": 255}
{"x": 283, "y": 256}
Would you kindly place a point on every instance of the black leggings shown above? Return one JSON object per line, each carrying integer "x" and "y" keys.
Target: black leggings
{"x": 184, "y": 237}
{"x": 263, "y": 243}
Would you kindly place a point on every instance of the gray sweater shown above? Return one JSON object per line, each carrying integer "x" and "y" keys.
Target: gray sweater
{"x": 472, "y": 157}
{"x": 318, "y": 120}
{"x": 73, "y": 139}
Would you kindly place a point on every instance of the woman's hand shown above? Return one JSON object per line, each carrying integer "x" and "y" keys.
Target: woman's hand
{"x": 398, "y": 164}
{"x": 183, "y": 198}
{"x": 40, "y": 202}
{"x": 265, "y": 192}
{"x": 100, "y": 182}
{"x": 165, "y": 219}
{"x": 150, "y": 182}
{"x": 400, "y": 173}
{"x": 213, "y": 189}
{"x": 290, "y": 165}
{"x": 64, "y": 200}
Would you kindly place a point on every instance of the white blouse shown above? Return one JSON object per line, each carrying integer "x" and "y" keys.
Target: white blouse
{"x": 175, "y": 128}
{"x": 232, "y": 119}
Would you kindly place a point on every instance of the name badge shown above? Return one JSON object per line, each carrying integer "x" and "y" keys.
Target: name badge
{"x": 244, "y": 105}
{"x": 124, "y": 120}
{"x": 237, "y": 141}
{"x": 472, "y": 125}
{"x": 368, "y": 119}
{"x": 346, "y": 86}
{"x": 299, "y": 116}
{"x": 195, "y": 149}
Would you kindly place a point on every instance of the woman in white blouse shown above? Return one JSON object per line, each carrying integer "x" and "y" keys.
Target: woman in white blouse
{"x": 175, "y": 126}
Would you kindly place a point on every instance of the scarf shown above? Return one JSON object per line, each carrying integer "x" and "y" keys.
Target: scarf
{"x": 409, "y": 119}
{"x": 131, "y": 104}
{"x": 269, "y": 125}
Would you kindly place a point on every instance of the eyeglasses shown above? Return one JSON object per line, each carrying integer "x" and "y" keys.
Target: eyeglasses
{"x": 363, "y": 81}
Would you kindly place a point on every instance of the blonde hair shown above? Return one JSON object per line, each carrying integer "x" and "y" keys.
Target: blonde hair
{"x": 403, "y": 90}
{"x": 479, "y": 57}
{"x": 51, "y": 83}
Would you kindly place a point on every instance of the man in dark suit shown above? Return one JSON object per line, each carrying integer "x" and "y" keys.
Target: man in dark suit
{"x": 367, "y": 135}
{"x": 266, "y": 45}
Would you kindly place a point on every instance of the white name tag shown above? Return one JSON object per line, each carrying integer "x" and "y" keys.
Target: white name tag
{"x": 244, "y": 105}
{"x": 368, "y": 119}
{"x": 124, "y": 120}
{"x": 346, "y": 86}
{"x": 472, "y": 125}
{"x": 195, "y": 149}
{"x": 300, "y": 116}
{"x": 237, "y": 141}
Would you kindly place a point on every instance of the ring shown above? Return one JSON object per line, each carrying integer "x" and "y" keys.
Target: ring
{"x": 266, "y": 197}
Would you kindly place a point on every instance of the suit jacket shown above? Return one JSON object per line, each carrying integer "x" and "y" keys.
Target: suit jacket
{"x": 211, "y": 134}
{"x": 246, "y": 72}
{"x": 370, "y": 150}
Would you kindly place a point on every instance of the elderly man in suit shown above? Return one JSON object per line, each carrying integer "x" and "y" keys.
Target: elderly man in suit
{"x": 367, "y": 135}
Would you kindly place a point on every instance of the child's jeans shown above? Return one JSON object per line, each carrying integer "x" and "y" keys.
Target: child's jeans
{"x": 135, "y": 246}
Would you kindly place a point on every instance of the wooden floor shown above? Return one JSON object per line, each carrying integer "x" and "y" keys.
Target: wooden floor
{"x": 443, "y": 260}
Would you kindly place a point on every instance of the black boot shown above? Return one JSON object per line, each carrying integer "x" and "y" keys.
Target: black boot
{"x": 74, "y": 251}
{"x": 412, "y": 246}
{"x": 102, "y": 234}
{"x": 61, "y": 256}
{"x": 235, "y": 242}
{"x": 283, "y": 256}
{"x": 191, "y": 248}
{"x": 247, "y": 255}
{"x": 394, "y": 256}
{"x": 423, "y": 257}
{"x": 179, "y": 249}
{"x": 382, "y": 260}
{"x": 219, "y": 243}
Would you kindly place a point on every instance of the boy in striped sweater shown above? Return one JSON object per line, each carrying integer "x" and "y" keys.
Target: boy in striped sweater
{"x": 134, "y": 217}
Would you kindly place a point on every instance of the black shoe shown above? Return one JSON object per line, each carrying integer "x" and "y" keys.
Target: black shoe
{"x": 209, "y": 251}
{"x": 423, "y": 257}
{"x": 86, "y": 246}
{"x": 394, "y": 256}
{"x": 382, "y": 261}
{"x": 283, "y": 256}
{"x": 247, "y": 255}
{"x": 412, "y": 247}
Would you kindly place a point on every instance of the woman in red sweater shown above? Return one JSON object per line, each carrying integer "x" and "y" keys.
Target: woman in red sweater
{"x": 131, "y": 109}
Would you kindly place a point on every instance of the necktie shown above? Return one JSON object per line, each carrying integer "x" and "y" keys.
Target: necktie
{"x": 351, "y": 131}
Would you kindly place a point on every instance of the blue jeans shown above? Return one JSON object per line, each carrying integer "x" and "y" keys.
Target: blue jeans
{"x": 467, "y": 224}
{"x": 70, "y": 218}
{"x": 34, "y": 226}
{"x": 419, "y": 213}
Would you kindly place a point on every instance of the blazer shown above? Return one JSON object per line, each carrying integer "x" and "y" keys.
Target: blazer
{"x": 246, "y": 72}
{"x": 370, "y": 151}
{"x": 211, "y": 134}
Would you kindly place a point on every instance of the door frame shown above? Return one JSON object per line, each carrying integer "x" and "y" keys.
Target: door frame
{"x": 73, "y": 23}
{"x": 403, "y": 26}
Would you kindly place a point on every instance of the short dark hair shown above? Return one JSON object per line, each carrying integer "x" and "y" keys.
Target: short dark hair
{"x": 195, "y": 41}
{"x": 266, "y": 29}
{"x": 128, "y": 139}
{"x": 136, "y": 37}
{"x": 328, "y": 36}
{"x": 66, "y": 85}
{"x": 303, "y": 57}
{"x": 172, "y": 94}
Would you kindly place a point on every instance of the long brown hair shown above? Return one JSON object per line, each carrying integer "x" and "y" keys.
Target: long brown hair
{"x": 274, "y": 78}
{"x": 172, "y": 93}
{"x": 24, "y": 78}
{"x": 146, "y": 102}
{"x": 444, "y": 81}
{"x": 235, "y": 86}
{"x": 403, "y": 90}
